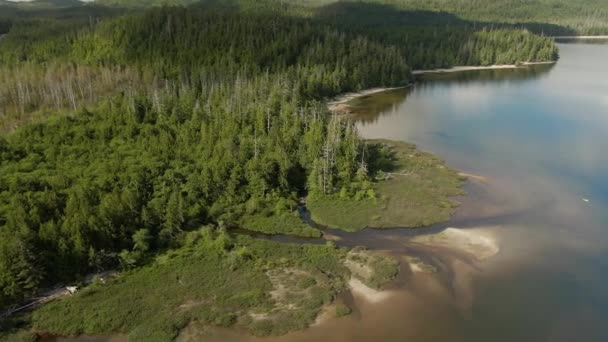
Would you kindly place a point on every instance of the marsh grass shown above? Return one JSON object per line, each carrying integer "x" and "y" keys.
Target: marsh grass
{"x": 286, "y": 223}
{"x": 216, "y": 280}
{"x": 372, "y": 269}
{"x": 413, "y": 189}
{"x": 343, "y": 310}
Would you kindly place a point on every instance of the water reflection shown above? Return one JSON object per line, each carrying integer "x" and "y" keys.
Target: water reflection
{"x": 524, "y": 73}
{"x": 368, "y": 109}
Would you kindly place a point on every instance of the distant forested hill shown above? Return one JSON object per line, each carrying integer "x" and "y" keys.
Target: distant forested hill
{"x": 553, "y": 17}
{"x": 549, "y": 17}
{"x": 39, "y": 4}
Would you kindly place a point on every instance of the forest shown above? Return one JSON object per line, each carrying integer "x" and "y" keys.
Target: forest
{"x": 549, "y": 17}
{"x": 121, "y": 134}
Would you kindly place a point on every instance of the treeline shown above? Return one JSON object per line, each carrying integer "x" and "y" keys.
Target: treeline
{"x": 437, "y": 40}
{"x": 470, "y": 47}
{"x": 52, "y": 65}
{"x": 179, "y": 44}
{"x": 176, "y": 118}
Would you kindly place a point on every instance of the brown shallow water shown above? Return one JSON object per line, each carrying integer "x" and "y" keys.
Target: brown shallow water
{"x": 537, "y": 138}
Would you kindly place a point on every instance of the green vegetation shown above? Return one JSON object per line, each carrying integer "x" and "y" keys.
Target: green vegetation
{"x": 265, "y": 287}
{"x": 553, "y": 17}
{"x": 343, "y": 310}
{"x": 16, "y": 329}
{"x": 289, "y": 224}
{"x": 372, "y": 270}
{"x": 406, "y": 188}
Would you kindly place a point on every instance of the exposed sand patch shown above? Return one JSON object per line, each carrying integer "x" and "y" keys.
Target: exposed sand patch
{"x": 474, "y": 177}
{"x": 365, "y": 292}
{"x": 359, "y": 270}
{"x": 478, "y": 243}
{"x": 257, "y": 316}
{"x": 419, "y": 266}
{"x": 328, "y": 312}
{"x": 284, "y": 285}
{"x": 192, "y": 304}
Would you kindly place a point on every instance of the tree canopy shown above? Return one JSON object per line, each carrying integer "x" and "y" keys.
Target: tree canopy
{"x": 123, "y": 133}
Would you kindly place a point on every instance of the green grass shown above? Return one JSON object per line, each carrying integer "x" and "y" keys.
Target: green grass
{"x": 14, "y": 329}
{"x": 416, "y": 194}
{"x": 215, "y": 280}
{"x": 288, "y": 224}
{"x": 373, "y": 270}
{"x": 20, "y": 336}
{"x": 343, "y": 310}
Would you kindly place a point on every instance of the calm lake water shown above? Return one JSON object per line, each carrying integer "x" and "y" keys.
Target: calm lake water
{"x": 539, "y": 138}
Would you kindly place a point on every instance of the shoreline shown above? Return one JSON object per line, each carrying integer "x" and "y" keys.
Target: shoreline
{"x": 474, "y": 68}
{"x": 337, "y": 103}
{"x": 580, "y": 37}
{"x": 368, "y": 294}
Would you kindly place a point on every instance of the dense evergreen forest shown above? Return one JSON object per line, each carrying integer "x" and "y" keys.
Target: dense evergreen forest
{"x": 122, "y": 133}
{"x": 551, "y": 17}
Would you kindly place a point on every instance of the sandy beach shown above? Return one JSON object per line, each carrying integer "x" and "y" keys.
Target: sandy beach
{"x": 340, "y": 103}
{"x": 472, "y": 68}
